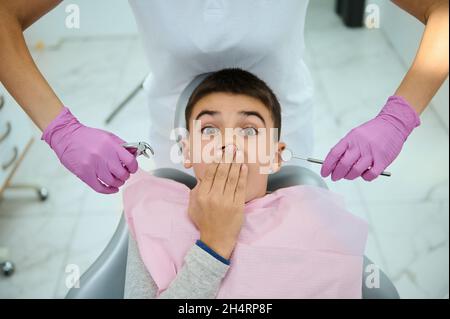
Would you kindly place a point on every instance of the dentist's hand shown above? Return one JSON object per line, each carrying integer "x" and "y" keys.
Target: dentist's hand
{"x": 368, "y": 149}
{"x": 216, "y": 205}
{"x": 89, "y": 153}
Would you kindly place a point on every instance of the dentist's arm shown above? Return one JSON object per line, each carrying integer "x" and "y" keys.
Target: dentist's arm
{"x": 368, "y": 149}
{"x": 18, "y": 72}
{"x": 430, "y": 67}
{"x": 89, "y": 153}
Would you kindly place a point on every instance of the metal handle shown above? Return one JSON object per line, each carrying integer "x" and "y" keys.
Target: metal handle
{"x": 12, "y": 160}
{"x": 8, "y": 130}
{"x": 314, "y": 160}
{"x": 317, "y": 161}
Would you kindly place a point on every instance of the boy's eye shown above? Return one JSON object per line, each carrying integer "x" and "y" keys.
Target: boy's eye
{"x": 249, "y": 131}
{"x": 209, "y": 130}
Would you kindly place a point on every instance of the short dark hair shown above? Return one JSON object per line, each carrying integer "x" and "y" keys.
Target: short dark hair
{"x": 236, "y": 81}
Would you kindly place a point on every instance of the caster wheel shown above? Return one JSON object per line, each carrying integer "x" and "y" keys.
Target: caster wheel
{"x": 7, "y": 268}
{"x": 42, "y": 194}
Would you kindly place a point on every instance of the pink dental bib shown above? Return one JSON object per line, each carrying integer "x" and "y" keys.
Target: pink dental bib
{"x": 297, "y": 242}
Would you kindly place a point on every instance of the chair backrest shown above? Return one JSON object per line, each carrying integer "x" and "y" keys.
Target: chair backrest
{"x": 105, "y": 278}
{"x": 285, "y": 177}
{"x": 184, "y": 98}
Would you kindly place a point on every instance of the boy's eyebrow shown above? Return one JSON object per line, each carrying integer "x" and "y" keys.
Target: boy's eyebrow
{"x": 208, "y": 112}
{"x": 242, "y": 113}
{"x": 249, "y": 113}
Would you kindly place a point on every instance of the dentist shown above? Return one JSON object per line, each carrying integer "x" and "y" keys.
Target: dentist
{"x": 188, "y": 38}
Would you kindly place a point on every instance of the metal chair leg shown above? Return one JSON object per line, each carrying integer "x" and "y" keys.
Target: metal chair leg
{"x": 41, "y": 192}
{"x": 6, "y": 266}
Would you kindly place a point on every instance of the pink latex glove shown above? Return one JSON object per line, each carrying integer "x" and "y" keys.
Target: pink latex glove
{"x": 89, "y": 153}
{"x": 368, "y": 149}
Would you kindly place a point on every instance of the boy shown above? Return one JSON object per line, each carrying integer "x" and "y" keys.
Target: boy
{"x": 234, "y": 120}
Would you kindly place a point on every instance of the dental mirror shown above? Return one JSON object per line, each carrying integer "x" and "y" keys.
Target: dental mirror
{"x": 287, "y": 155}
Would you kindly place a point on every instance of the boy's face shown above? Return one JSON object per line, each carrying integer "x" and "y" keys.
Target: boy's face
{"x": 220, "y": 119}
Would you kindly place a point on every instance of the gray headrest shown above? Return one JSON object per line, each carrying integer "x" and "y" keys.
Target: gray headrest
{"x": 184, "y": 98}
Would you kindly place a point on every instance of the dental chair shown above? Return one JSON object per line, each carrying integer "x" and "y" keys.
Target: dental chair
{"x": 105, "y": 278}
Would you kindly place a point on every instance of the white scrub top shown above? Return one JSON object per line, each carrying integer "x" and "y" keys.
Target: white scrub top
{"x": 183, "y": 39}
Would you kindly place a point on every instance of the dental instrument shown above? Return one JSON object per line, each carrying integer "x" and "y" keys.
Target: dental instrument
{"x": 141, "y": 148}
{"x": 287, "y": 155}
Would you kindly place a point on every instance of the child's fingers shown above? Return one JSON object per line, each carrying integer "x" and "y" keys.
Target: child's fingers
{"x": 239, "y": 195}
{"x": 233, "y": 178}
{"x": 208, "y": 178}
{"x": 222, "y": 172}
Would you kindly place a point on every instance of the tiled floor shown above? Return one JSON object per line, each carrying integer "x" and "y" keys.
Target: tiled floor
{"x": 354, "y": 72}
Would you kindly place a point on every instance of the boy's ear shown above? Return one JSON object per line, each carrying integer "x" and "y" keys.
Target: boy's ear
{"x": 185, "y": 147}
{"x": 276, "y": 166}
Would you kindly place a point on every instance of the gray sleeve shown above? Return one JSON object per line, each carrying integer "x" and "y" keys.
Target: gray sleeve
{"x": 199, "y": 277}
